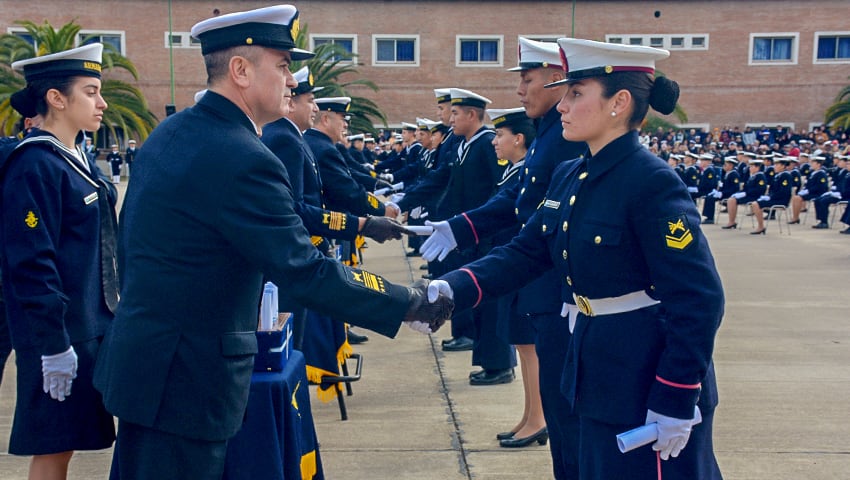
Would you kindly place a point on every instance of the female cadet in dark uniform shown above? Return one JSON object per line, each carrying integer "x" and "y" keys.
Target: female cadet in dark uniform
{"x": 514, "y": 134}
{"x": 623, "y": 233}
{"x": 57, "y": 228}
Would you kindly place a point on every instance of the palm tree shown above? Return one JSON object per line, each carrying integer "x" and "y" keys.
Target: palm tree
{"x": 328, "y": 67}
{"x": 839, "y": 112}
{"x": 128, "y": 109}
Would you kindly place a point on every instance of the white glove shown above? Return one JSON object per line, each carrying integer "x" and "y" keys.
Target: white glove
{"x": 720, "y": 184}
{"x": 440, "y": 243}
{"x": 718, "y": 194}
{"x": 420, "y": 327}
{"x": 59, "y": 371}
{"x": 802, "y": 192}
{"x": 835, "y": 195}
{"x": 764, "y": 198}
{"x": 673, "y": 433}
{"x": 570, "y": 312}
{"x": 369, "y": 166}
{"x": 415, "y": 213}
{"x": 386, "y": 176}
{"x": 437, "y": 288}
{"x": 693, "y": 189}
{"x": 396, "y": 197}
{"x": 739, "y": 195}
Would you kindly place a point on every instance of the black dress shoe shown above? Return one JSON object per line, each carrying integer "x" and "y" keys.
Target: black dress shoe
{"x": 729, "y": 227}
{"x": 458, "y": 344}
{"x": 505, "y": 435}
{"x": 356, "y": 339}
{"x": 846, "y": 231}
{"x": 759, "y": 232}
{"x": 708, "y": 221}
{"x": 447, "y": 340}
{"x": 541, "y": 437}
{"x": 413, "y": 253}
{"x": 427, "y": 276}
{"x": 821, "y": 226}
{"x": 494, "y": 377}
{"x": 424, "y": 266}
{"x": 477, "y": 373}
{"x": 794, "y": 222}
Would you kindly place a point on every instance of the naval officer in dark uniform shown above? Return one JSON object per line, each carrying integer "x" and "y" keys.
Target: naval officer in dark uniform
{"x": 728, "y": 186}
{"x": 194, "y": 249}
{"x": 642, "y": 343}
{"x": 538, "y": 303}
{"x": 58, "y": 261}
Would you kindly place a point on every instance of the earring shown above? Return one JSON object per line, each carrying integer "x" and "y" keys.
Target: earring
{"x": 613, "y": 114}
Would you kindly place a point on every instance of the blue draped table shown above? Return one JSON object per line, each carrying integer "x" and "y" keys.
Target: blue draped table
{"x": 278, "y": 439}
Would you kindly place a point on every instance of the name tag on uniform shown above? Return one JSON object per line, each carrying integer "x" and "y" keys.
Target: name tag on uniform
{"x": 552, "y": 204}
{"x": 89, "y": 199}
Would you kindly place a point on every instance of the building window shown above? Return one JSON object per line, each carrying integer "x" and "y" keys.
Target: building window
{"x": 773, "y": 48}
{"x": 478, "y": 51}
{"x": 114, "y": 39}
{"x": 832, "y": 47}
{"x": 347, "y": 42}
{"x": 688, "y": 41}
{"x": 395, "y": 50}
{"x": 180, "y": 40}
{"x": 23, "y": 34}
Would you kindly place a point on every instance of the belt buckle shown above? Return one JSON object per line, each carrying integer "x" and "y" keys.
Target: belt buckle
{"x": 583, "y": 304}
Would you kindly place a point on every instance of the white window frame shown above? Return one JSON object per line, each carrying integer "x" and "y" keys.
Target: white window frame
{"x": 121, "y": 33}
{"x": 185, "y": 40}
{"x": 795, "y": 48}
{"x": 335, "y": 36}
{"x": 696, "y": 126}
{"x": 390, "y": 36}
{"x": 500, "y": 62}
{"x": 757, "y": 125}
{"x": 541, "y": 37}
{"x": 820, "y": 61}
{"x": 17, "y": 30}
{"x": 667, "y": 40}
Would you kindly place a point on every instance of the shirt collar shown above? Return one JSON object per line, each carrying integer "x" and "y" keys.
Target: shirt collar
{"x": 611, "y": 154}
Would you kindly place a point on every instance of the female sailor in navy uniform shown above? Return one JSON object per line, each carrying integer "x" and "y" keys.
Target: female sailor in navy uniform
{"x": 623, "y": 233}
{"x": 59, "y": 274}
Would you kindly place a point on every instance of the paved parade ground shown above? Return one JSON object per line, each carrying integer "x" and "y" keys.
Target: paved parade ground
{"x": 782, "y": 359}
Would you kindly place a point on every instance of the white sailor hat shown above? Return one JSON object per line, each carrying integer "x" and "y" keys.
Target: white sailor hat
{"x": 409, "y": 126}
{"x": 200, "y": 94}
{"x": 804, "y": 141}
{"x": 369, "y": 140}
{"x": 707, "y": 156}
{"x": 756, "y": 161}
{"x": 423, "y": 124}
{"x": 272, "y": 27}
{"x": 429, "y": 124}
{"x": 81, "y": 61}
{"x": 305, "y": 82}
{"x": 359, "y": 136}
{"x": 804, "y": 154}
{"x": 817, "y": 158}
{"x": 781, "y": 159}
{"x": 443, "y": 95}
{"x": 582, "y": 59}
{"x": 533, "y": 54}
{"x": 731, "y": 159}
{"x": 334, "y": 104}
{"x": 749, "y": 154}
{"x": 503, "y": 117}
{"x": 468, "y": 98}
{"x": 691, "y": 154}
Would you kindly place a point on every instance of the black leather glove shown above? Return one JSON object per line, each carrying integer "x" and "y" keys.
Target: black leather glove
{"x": 382, "y": 229}
{"x": 421, "y": 312}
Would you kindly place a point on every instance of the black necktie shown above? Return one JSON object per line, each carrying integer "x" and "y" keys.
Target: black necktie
{"x": 108, "y": 244}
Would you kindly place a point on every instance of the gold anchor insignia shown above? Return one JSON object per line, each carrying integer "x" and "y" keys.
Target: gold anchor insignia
{"x": 31, "y": 220}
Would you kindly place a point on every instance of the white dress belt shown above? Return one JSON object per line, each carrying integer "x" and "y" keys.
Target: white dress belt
{"x": 609, "y": 306}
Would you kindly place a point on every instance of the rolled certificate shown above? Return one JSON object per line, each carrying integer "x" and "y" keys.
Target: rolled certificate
{"x": 398, "y": 186}
{"x": 419, "y": 229}
{"x": 382, "y": 191}
{"x": 645, "y": 434}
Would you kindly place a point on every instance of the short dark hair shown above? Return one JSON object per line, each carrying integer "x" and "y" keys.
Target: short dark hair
{"x": 479, "y": 112}
{"x": 218, "y": 62}
{"x": 525, "y": 128}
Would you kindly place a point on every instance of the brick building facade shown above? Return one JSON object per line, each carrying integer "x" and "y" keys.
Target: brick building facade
{"x": 738, "y": 62}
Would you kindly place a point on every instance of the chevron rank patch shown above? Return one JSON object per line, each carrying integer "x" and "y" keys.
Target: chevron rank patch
{"x": 368, "y": 280}
{"x": 677, "y": 233}
{"x": 373, "y": 200}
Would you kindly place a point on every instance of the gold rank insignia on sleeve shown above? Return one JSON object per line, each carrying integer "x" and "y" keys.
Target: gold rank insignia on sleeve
{"x": 31, "y": 220}
{"x": 373, "y": 200}
{"x": 334, "y": 220}
{"x": 368, "y": 280}
{"x": 502, "y": 162}
{"x": 678, "y": 234}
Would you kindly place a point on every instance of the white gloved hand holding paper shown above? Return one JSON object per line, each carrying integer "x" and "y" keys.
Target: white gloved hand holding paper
{"x": 59, "y": 371}
{"x": 739, "y": 195}
{"x": 693, "y": 189}
{"x": 440, "y": 243}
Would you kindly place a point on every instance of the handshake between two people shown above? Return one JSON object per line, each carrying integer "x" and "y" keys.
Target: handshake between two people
{"x": 430, "y": 305}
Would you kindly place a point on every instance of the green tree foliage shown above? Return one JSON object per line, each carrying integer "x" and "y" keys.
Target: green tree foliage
{"x": 332, "y": 69}
{"x": 128, "y": 109}
{"x": 838, "y": 114}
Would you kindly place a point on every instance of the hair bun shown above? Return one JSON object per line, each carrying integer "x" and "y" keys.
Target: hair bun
{"x": 664, "y": 95}
{"x": 24, "y": 103}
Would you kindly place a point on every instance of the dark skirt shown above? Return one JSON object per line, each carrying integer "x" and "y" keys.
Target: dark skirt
{"x": 43, "y": 425}
{"x": 510, "y": 325}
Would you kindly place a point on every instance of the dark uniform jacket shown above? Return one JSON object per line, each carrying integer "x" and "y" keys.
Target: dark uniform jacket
{"x": 53, "y": 211}
{"x": 514, "y": 206}
{"x": 731, "y": 184}
{"x": 284, "y": 140}
{"x": 755, "y": 187}
{"x": 202, "y": 224}
{"x": 360, "y": 173}
{"x": 817, "y": 184}
{"x": 708, "y": 180}
{"x": 114, "y": 159}
{"x": 474, "y": 175}
{"x": 608, "y": 235}
{"x": 340, "y": 191}
{"x": 780, "y": 191}
{"x": 431, "y": 190}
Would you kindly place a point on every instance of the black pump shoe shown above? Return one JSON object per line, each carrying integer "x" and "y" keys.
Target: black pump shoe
{"x": 728, "y": 227}
{"x": 541, "y": 437}
{"x": 759, "y": 232}
{"x": 505, "y": 435}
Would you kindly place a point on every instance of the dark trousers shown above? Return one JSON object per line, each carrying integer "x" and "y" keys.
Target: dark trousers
{"x": 822, "y": 204}
{"x": 708, "y": 205}
{"x": 463, "y": 323}
{"x": 5, "y": 338}
{"x": 142, "y": 453}
{"x": 551, "y": 343}
{"x": 602, "y": 460}
{"x": 490, "y": 350}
